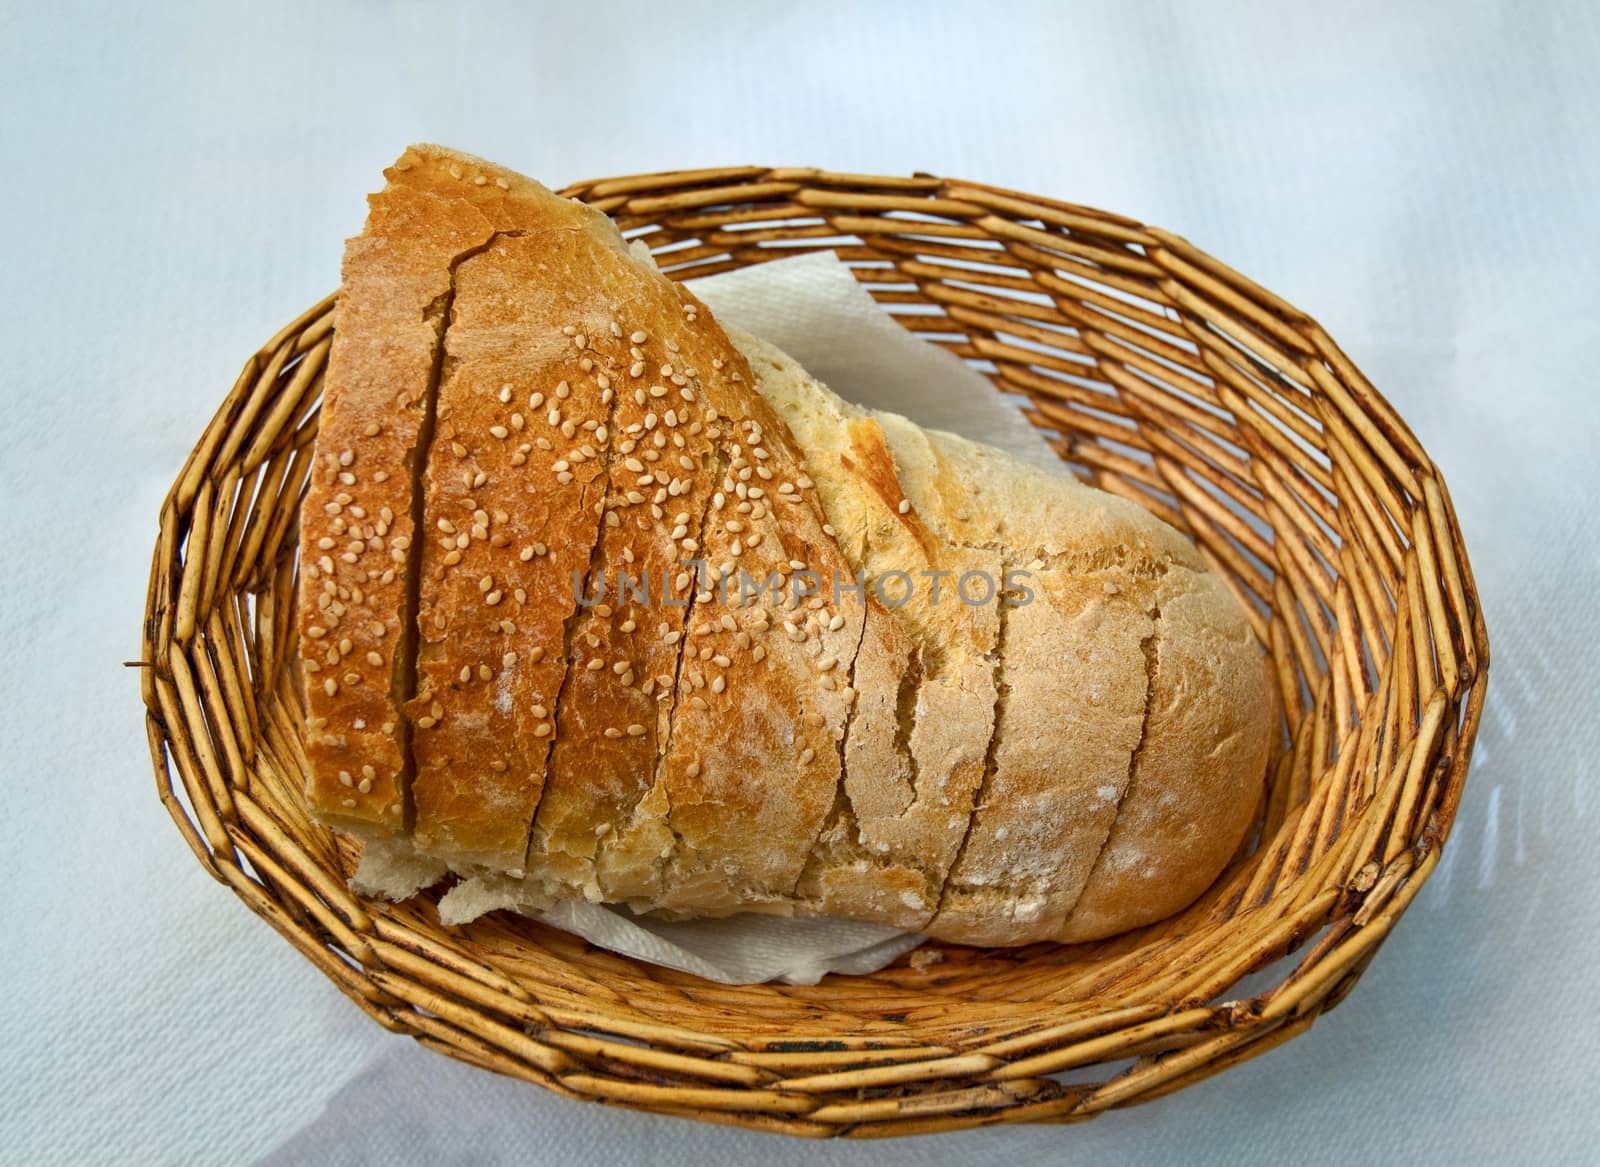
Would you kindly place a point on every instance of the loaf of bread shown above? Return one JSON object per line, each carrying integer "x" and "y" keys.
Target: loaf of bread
{"x": 598, "y": 599}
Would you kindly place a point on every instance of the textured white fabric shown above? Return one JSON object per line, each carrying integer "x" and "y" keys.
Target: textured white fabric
{"x": 1420, "y": 177}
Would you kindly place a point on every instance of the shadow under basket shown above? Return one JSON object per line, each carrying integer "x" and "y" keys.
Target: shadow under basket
{"x": 1157, "y": 373}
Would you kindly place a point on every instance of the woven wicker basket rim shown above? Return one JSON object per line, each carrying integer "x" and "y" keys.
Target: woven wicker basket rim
{"x": 1158, "y": 373}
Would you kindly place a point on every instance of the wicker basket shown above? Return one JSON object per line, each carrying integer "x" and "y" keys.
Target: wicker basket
{"x": 1160, "y": 374}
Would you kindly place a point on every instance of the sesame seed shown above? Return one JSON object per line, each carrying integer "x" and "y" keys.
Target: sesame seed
{"x": 613, "y": 732}
{"x": 345, "y": 779}
{"x": 542, "y": 729}
{"x": 806, "y": 756}
{"x": 718, "y": 684}
{"x": 374, "y": 659}
{"x": 635, "y": 730}
{"x": 905, "y": 506}
{"x": 330, "y": 687}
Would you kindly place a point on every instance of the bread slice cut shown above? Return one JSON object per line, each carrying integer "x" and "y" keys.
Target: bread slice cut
{"x": 1185, "y": 798}
{"x": 514, "y": 484}
{"x": 753, "y": 763}
{"x": 923, "y": 673}
{"x": 663, "y": 465}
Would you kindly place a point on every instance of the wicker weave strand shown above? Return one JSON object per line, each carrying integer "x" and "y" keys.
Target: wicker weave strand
{"x": 1159, "y": 374}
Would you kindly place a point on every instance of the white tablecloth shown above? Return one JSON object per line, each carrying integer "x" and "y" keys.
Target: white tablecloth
{"x": 1420, "y": 177}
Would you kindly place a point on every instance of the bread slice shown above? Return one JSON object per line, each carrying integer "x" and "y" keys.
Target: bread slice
{"x": 662, "y": 464}
{"x": 877, "y": 671}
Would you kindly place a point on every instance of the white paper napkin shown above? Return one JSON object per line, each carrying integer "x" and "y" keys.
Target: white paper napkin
{"x": 814, "y": 309}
